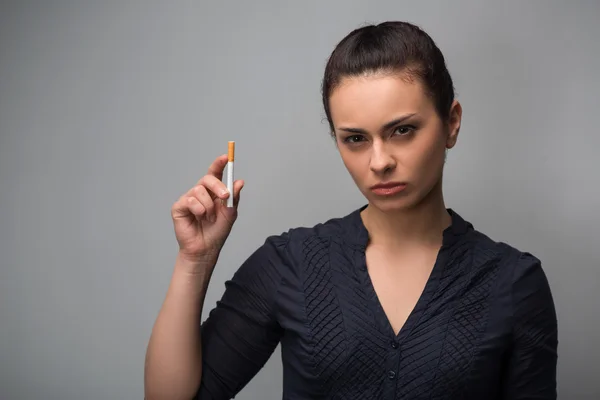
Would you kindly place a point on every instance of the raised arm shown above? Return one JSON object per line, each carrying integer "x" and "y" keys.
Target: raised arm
{"x": 202, "y": 223}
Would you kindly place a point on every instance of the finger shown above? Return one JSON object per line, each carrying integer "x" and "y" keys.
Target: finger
{"x": 217, "y": 167}
{"x": 215, "y": 186}
{"x": 182, "y": 207}
{"x": 196, "y": 208}
{"x": 202, "y": 195}
{"x": 237, "y": 188}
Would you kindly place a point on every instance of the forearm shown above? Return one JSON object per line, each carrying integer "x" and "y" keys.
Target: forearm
{"x": 173, "y": 360}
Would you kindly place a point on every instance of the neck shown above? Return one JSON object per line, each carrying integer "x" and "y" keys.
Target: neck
{"x": 420, "y": 225}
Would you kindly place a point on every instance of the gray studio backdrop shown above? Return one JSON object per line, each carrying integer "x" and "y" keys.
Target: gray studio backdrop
{"x": 110, "y": 110}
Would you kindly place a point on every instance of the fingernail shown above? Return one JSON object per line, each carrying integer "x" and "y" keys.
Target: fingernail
{"x": 224, "y": 192}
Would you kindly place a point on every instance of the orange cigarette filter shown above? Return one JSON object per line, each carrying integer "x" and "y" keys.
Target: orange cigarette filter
{"x": 231, "y": 152}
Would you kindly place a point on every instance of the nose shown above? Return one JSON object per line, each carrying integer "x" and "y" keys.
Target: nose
{"x": 382, "y": 160}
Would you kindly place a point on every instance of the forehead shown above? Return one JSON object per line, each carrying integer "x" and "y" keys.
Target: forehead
{"x": 377, "y": 98}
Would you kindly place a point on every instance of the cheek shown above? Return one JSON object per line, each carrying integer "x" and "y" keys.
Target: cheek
{"x": 429, "y": 159}
{"x": 355, "y": 164}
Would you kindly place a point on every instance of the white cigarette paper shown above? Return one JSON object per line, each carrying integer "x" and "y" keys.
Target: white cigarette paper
{"x": 230, "y": 160}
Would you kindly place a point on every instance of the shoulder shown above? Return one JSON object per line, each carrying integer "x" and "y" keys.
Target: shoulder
{"x": 532, "y": 308}
{"x": 298, "y": 242}
{"x": 301, "y": 236}
{"x": 521, "y": 272}
{"x": 512, "y": 259}
{"x": 521, "y": 282}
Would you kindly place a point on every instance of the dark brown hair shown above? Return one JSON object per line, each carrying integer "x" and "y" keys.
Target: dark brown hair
{"x": 394, "y": 47}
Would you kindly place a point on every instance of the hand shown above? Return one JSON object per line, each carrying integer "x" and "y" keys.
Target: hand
{"x": 201, "y": 218}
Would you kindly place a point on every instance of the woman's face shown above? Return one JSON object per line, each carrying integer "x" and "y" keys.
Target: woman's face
{"x": 388, "y": 132}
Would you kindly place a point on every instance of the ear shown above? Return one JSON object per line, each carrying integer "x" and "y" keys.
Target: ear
{"x": 454, "y": 121}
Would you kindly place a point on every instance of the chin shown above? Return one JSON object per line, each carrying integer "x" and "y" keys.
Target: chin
{"x": 391, "y": 204}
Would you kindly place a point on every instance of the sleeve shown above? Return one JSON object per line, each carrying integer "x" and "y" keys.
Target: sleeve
{"x": 531, "y": 369}
{"x": 241, "y": 332}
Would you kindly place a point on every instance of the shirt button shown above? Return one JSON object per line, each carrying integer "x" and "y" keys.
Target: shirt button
{"x": 391, "y": 374}
{"x": 394, "y": 344}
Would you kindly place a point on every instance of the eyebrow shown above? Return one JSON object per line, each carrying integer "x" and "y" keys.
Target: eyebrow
{"x": 388, "y": 125}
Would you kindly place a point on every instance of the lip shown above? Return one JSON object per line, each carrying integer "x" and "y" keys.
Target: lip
{"x": 388, "y": 188}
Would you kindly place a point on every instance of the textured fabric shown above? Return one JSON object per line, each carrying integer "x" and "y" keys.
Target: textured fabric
{"x": 484, "y": 327}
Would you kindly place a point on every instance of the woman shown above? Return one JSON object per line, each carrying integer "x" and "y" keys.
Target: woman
{"x": 399, "y": 299}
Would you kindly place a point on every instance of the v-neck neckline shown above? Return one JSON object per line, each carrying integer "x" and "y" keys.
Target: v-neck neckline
{"x": 360, "y": 238}
{"x": 382, "y": 319}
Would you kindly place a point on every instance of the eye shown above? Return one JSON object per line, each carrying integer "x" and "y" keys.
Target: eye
{"x": 354, "y": 139}
{"x": 404, "y": 130}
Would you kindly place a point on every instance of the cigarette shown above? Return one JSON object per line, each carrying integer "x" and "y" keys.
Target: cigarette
{"x": 230, "y": 160}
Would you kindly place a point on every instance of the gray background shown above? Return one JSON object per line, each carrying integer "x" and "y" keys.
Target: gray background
{"x": 110, "y": 110}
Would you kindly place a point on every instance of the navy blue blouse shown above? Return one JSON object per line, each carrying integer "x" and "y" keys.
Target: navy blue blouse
{"x": 484, "y": 327}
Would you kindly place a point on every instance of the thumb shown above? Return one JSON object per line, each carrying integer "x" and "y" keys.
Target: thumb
{"x": 237, "y": 189}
